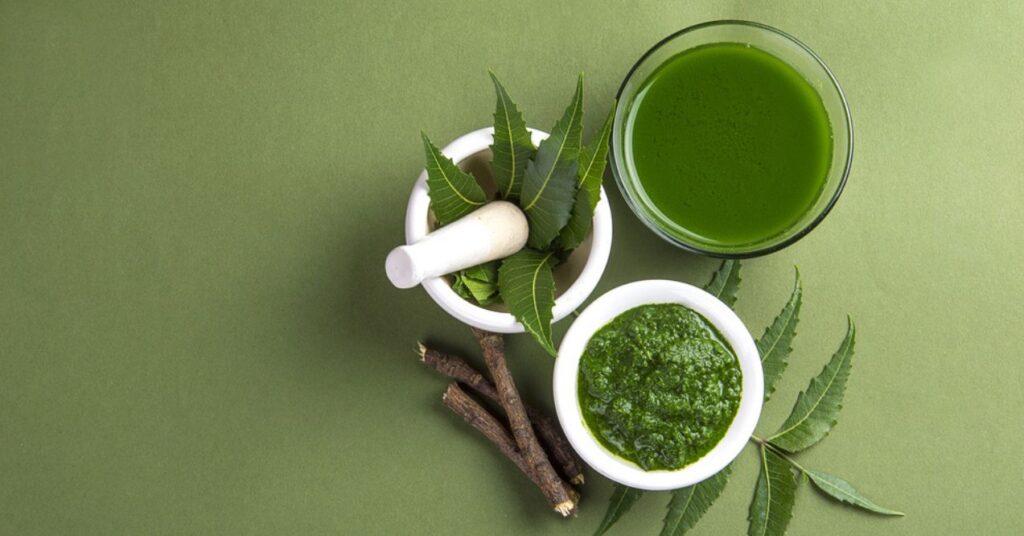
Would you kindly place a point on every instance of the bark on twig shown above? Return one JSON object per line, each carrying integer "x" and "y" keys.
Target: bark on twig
{"x": 558, "y": 492}
{"x": 478, "y": 417}
{"x": 557, "y": 445}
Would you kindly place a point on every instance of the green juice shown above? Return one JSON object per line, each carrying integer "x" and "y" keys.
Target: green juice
{"x": 730, "y": 143}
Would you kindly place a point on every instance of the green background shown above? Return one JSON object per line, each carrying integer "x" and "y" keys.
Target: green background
{"x": 196, "y": 334}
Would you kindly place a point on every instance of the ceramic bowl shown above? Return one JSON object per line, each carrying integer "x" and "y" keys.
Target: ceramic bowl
{"x": 574, "y": 280}
{"x": 604, "y": 310}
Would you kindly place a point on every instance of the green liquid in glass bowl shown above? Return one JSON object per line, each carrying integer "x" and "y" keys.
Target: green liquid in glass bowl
{"x": 724, "y": 142}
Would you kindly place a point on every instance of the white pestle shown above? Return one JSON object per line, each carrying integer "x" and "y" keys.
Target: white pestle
{"x": 493, "y": 231}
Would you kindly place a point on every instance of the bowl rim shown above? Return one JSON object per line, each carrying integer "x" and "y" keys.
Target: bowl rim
{"x": 757, "y": 252}
{"x": 598, "y": 314}
{"x": 416, "y": 227}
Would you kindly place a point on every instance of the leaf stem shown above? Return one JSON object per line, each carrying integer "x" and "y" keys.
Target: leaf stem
{"x": 782, "y": 454}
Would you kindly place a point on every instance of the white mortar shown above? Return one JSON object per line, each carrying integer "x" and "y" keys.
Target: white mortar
{"x": 575, "y": 279}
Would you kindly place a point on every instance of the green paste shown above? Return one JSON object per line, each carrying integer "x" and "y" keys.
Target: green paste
{"x": 659, "y": 386}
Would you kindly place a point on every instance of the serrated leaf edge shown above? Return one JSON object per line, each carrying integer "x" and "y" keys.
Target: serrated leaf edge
{"x": 763, "y": 451}
{"x": 602, "y": 139}
{"x": 796, "y": 298}
{"x": 543, "y": 335}
{"x": 726, "y": 271}
{"x": 849, "y": 355}
{"x": 533, "y": 287}
{"x": 507, "y": 105}
{"x": 713, "y": 479}
{"x": 434, "y": 152}
{"x": 851, "y": 499}
{"x": 577, "y": 104}
{"x": 613, "y": 507}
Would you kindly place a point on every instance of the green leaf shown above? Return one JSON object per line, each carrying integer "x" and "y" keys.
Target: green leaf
{"x": 484, "y": 273}
{"x": 453, "y": 192}
{"x": 575, "y": 232}
{"x": 459, "y": 286}
{"x": 512, "y": 147}
{"x": 774, "y": 344}
{"x": 621, "y": 501}
{"x": 725, "y": 282}
{"x": 689, "y": 504}
{"x": 483, "y": 293}
{"x": 481, "y": 281}
{"x": 528, "y": 289}
{"x": 817, "y": 408}
{"x": 772, "y": 505}
{"x": 593, "y": 159}
{"x": 549, "y": 185}
{"x": 841, "y": 490}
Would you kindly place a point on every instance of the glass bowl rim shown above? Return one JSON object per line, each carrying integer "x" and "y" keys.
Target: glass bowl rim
{"x": 757, "y": 251}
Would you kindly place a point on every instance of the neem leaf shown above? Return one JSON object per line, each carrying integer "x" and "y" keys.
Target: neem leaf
{"x": 774, "y": 344}
{"x": 575, "y": 232}
{"x": 842, "y": 491}
{"x": 512, "y": 146}
{"x": 459, "y": 286}
{"x": 484, "y": 273}
{"x": 817, "y": 408}
{"x": 481, "y": 281}
{"x": 689, "y": 504}
{"x": 621, "y": 501}
{"x": 453, "y": 192}
{"x": 725, "y": 282}
{"x": 549, "y": 185}
{"x": 592, "y": 161}
{"x": 483, "y": 293}
{"x": 528, "y": 289}
{"x": 772, "y": 505}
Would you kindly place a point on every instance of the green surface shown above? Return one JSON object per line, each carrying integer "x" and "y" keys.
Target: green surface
{"x": 659, "y": 386}
{"x": 730, "y": 143}
{"x": 197, "y": 336}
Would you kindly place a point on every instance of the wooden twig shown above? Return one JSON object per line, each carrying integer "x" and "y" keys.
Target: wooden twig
{"x": 557, "y": 445}
{"x": 555, "y": 489}
{"x": 478, "y": 417}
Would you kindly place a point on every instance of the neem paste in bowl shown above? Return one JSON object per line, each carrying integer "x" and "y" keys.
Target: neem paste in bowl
{"x": 659, "y": 386}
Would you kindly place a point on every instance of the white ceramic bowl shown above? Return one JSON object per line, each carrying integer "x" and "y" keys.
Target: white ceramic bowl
{"x": 611, "y": 305}
{"x": 576, "y": 279}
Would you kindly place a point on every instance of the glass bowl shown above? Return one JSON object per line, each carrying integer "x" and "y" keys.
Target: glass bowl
{"x": 788, "y": 49}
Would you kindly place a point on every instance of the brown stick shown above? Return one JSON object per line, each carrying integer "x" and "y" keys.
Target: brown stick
{"x": 558, "y": 446}
{"x": 554, "y": 488}
{"x": 473, "y": 413}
